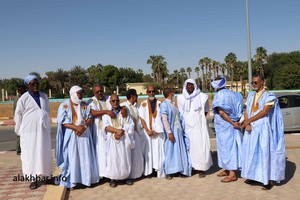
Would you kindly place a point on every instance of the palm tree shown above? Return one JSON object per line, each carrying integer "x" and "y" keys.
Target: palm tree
{"x": 261, "y": 58}
{"x": 202, "y": 63}
{"x": 242, "y": 71}
{"x": 159, "y": 67}
{"x": 176, "y": 74}
{"x": 230, "y": 61}
{"x": 182, "y": 73}
{"x": 215, "y": 66}
{"x": 189, "y": 70}
{"x": 223, "y": 68}
{"x": 197, "y": 71}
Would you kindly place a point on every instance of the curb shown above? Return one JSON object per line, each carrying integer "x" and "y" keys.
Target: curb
{"x": 11, "y": 122}
{"x": 54, "y": 191}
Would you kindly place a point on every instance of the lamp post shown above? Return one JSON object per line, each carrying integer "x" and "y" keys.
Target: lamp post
{"x": 249, "y": 48}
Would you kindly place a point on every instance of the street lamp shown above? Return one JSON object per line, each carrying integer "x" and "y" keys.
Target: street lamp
{"x": 249, "y": 48}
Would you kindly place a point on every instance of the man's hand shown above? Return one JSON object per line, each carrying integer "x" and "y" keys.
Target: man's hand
{"x": 111, "y": 114}
{"x": 124, "y": 112}
{"x": 150, "y": 133}
{"x": 171, "y": 137}
{"x": 236, "y": 125}
{"x": 80, "y": 130}
{"x": 119, "y": 133}
{"x": 154, "y": 134}
{"x": 248, "y": 128}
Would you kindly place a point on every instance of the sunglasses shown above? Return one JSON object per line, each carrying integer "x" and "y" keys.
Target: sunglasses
{"x": 34, "y": 84}
{"x": 254, "y": 83}
{"x": 114, "y": 101}
{"x": 150, "y": 91}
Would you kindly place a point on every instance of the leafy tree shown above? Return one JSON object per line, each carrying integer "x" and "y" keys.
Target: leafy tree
{"x": 94, "y": 73}
{"x": 230, "y": 61}
{"x": 189, "y": 70}
{"x": 261, "y": 58}
{"x": 110, "y": 77}
{"x": 197, "y": 71}
{"x": 288, "y": 77}
{"x": 159, "y": 68}
{"x": 78, "y": 76}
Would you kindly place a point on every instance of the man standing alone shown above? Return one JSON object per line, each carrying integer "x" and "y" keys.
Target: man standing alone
{"x": 33, "y": 126}
{"x": 193, "y": 105}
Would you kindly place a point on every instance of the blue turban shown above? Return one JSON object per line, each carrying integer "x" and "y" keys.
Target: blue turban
{"x": 29, "y": 78}
{"x": 217, "y": 84}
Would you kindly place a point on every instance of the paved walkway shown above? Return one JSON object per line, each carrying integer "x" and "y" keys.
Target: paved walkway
{"x": 209, "y": 187}
{"x": 197, "y": 188}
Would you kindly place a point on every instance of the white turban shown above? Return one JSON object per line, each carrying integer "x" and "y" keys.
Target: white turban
{"x": 191, "y": 97}
{"x": 73, "y": 94}
{"x": 217, "y": 84}
{"x": 30, "y": 78}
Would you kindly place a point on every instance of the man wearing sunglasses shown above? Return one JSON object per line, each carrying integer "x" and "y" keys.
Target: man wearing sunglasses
{"x": 263, "y": 141}
{"x": 119, "y": 133}
{"x": 33, "y": 126}
{"x": 153, "y": 129}
{"x": 99, "y": 106}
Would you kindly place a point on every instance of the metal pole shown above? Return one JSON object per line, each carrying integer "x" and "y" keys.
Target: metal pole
{"x": 249, "y": 48}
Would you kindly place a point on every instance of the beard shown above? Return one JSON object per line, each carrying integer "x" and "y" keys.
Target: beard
{"x": 151, "y": 98}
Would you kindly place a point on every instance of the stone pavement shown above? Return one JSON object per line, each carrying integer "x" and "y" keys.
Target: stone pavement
{"x": 12, "y": 187}
{"x": 195, "y": 188}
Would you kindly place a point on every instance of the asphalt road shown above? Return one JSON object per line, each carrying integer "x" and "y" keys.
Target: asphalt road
{"x": 8, "y": 138}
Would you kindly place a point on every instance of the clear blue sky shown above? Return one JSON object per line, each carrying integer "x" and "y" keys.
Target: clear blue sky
{"x": 44, "y": 35}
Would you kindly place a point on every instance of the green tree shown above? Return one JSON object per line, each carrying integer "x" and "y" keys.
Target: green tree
{"x": 197, "y": 71}
{"x": 261, "y": 58}
{"x": 159, "y": 67}
{"x": 78, "y": 76}
{"x": 202, "y": 64}
{"x": 189, "y": 70}
{"x": 182, "y": 75}
{"x": 94, "y": 73}
{"x": 230, "y": 61}
{"x": 288, "y": 77}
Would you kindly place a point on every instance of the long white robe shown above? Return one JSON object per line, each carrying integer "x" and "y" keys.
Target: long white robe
{"x": 196, "y": 129}
{"x": 137, "y": 158}
{"x": 99, "y": 136}
{"x": 118, "y": 163}
{"x": 33, "y": 126}
{"x": 154, "y": 149}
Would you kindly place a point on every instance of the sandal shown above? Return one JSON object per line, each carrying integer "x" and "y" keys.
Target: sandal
{"x": 267, "y": 187}
{"x": 33, "y": 185}
{"x": 223, "y": 173}
{"x": 228, "y": 179}
{"x": 202, "y": 174}
{"x": 113, "y": 184}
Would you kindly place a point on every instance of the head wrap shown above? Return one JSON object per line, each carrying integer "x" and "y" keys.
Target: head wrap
{"x": 217, "y": 84}
{"x": 191, "y": 97}
{"x": 73, "y": 94}
{"x": 30, "y": 78}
